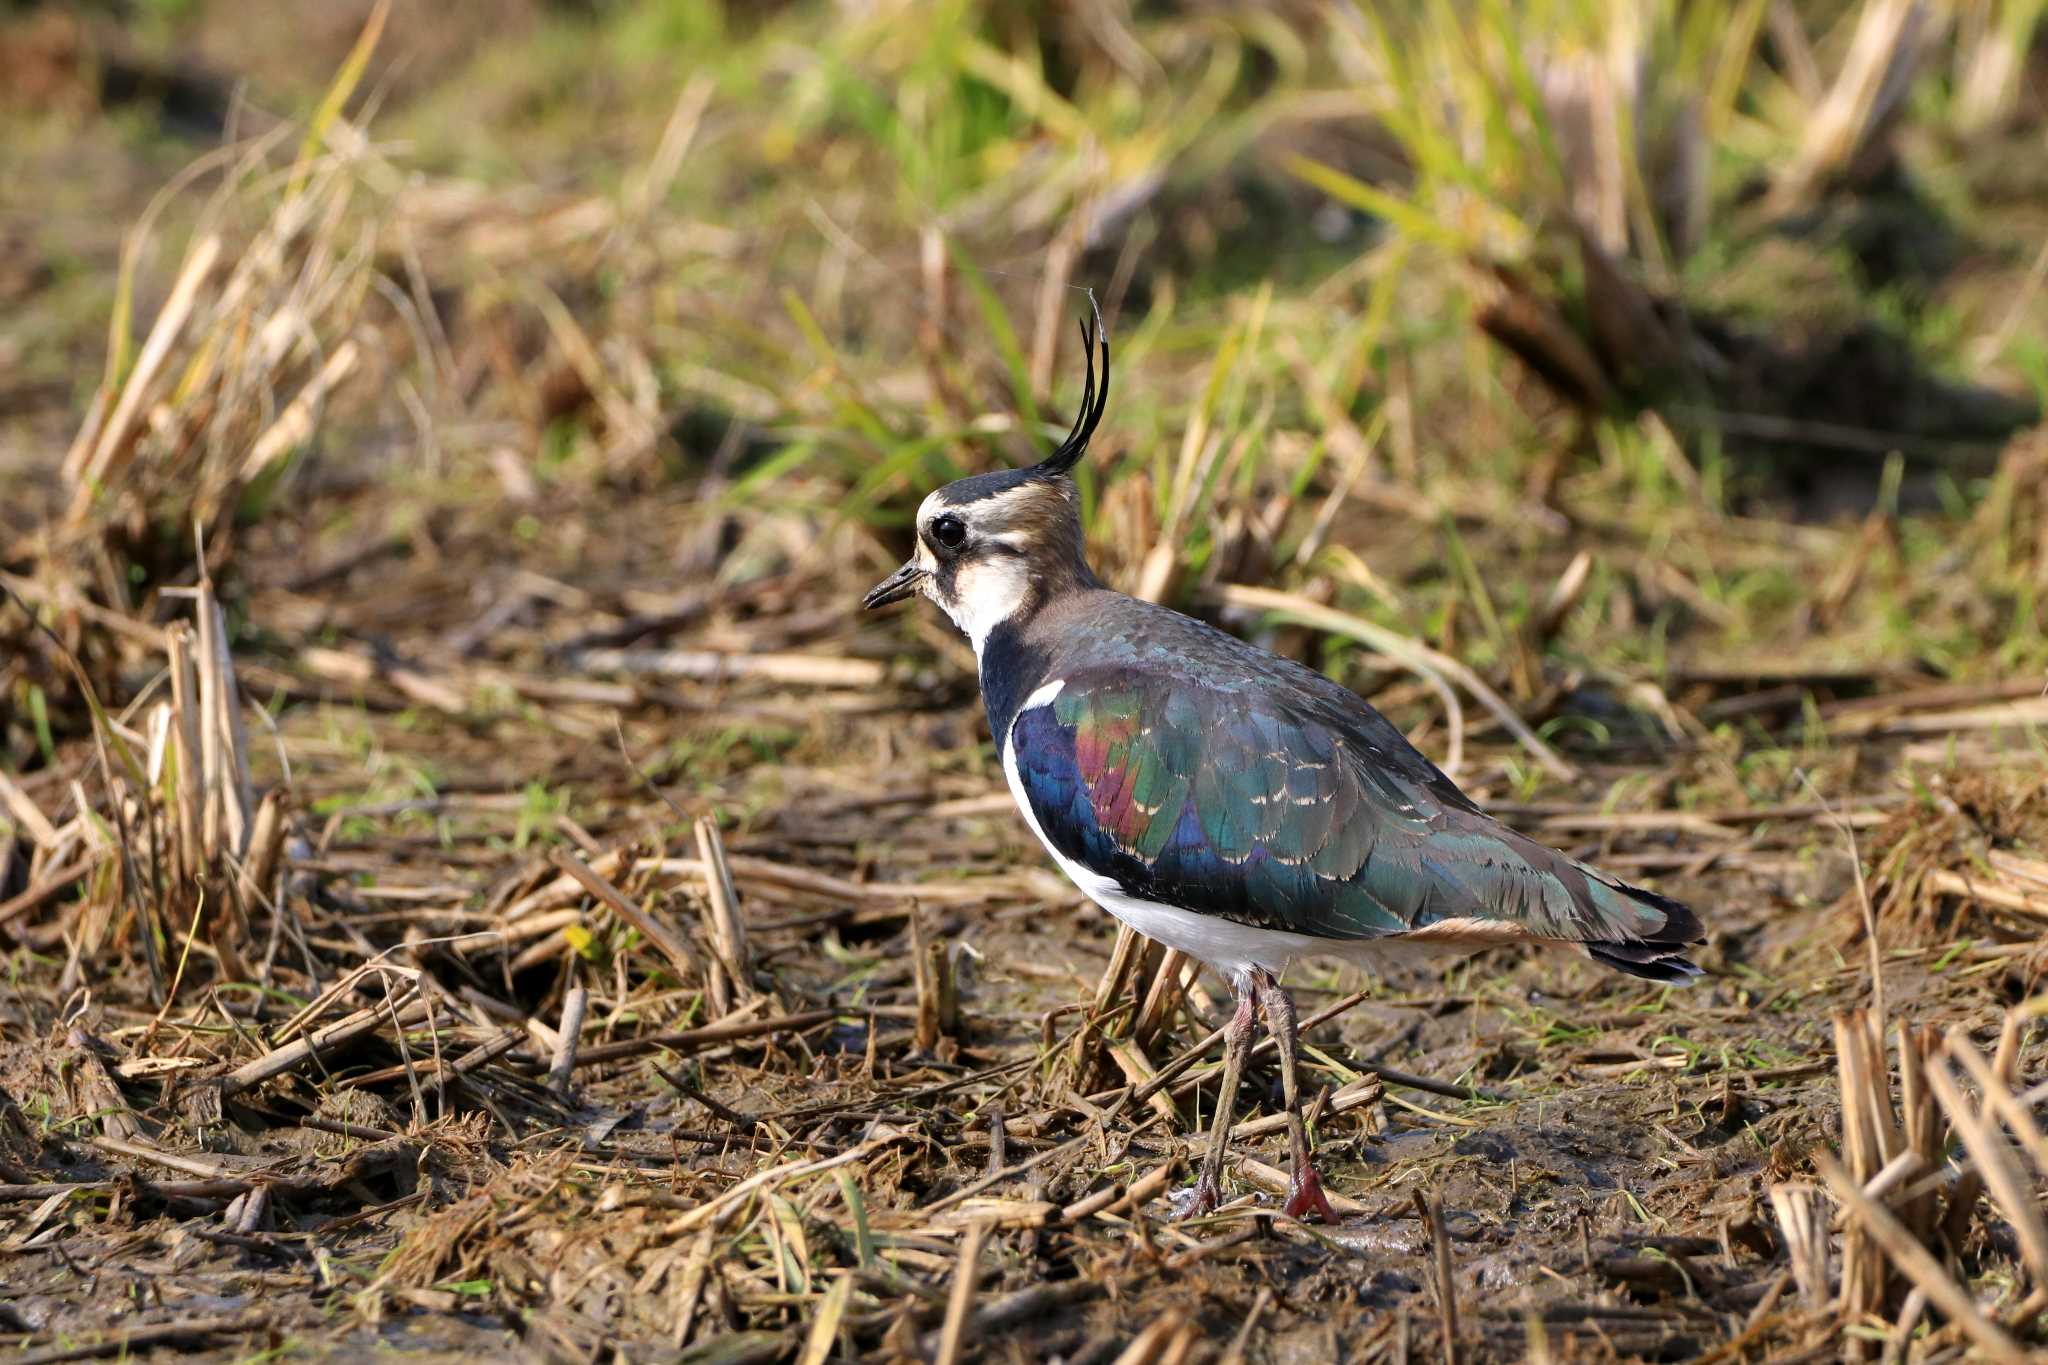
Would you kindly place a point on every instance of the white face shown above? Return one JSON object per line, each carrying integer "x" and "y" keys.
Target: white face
{"x": 988, "y": 585}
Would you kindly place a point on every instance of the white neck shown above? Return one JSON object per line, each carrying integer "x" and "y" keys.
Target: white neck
{"x": 987, "y": 593}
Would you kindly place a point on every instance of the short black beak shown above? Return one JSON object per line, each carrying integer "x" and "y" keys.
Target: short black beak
{"x": 897, "y": 586}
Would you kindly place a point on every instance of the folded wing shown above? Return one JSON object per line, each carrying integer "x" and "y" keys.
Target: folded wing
{"x": 1309, "y": 817}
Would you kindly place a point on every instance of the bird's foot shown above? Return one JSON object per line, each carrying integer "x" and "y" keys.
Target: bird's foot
{"x": 1204, "y": 1200}
{"x": 1305, "y": 1196}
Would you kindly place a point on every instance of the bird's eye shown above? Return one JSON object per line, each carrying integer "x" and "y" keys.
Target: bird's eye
{"x": 949, "y": 531}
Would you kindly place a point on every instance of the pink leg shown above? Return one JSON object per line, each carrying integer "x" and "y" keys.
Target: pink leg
{"x": 1237, "y": 1042}
{"x": 1305, "y": 1187}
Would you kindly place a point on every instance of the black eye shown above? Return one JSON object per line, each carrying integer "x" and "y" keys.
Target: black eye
{"x": 949, "y": 531}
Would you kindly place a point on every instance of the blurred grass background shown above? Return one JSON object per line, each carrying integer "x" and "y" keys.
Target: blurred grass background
{"x": 1412, "y": 303}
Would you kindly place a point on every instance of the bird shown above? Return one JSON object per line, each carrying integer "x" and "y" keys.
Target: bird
{"x": 1226, "y": 801}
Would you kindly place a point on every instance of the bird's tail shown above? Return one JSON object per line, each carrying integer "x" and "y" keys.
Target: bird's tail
{"x": 1656, "y": 930}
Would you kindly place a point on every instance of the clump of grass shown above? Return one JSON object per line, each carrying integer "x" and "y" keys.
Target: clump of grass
{"x": 1928, "y": 1174}
{"x": 178, "y": 855}
{"x": 1598, "y": 168}
{"x": 1967, "y": 858}
{"x": 199, "y": 422}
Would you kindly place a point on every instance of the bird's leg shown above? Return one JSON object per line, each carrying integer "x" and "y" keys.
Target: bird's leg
{"x": 1305, "y": 1187}
{"x": 1237, "y": 1042}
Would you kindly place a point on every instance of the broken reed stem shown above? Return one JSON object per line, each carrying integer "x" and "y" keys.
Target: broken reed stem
{"x": 1804, "y": 1229}
{"x": 729, "y": 980}
{"x": 960, "y": 1301}
{"x": 280, "y": 1060}
{"x": 178, "y": 642}
{"x": 946, "y": 968}
{"x": 1868, "y": 1142}
{"x": 1432, "y": 1214}
{"x": 1123, "y": 960}
{"x": 223, "y": 743}
{"x": 1917, "y": 1263}
{"x": 1162, "y": 997}
{"x": 266, "y": 846}
{"x": 655, "y": 930}
{"x": 2000, "y": 1171}
{"x": 575, "y": 1001}
{"x": 934, "y": 970}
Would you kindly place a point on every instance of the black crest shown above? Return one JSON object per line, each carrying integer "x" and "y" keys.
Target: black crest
{"x": 1094, "y": 397}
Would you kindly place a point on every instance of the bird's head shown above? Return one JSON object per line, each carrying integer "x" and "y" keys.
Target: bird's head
{"x": 995, "y": 547}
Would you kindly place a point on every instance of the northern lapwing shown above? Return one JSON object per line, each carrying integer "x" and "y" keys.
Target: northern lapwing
{"x": 1223, "y": 800}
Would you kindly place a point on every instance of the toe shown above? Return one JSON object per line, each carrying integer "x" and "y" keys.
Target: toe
{"x": 1306, "y": 1197}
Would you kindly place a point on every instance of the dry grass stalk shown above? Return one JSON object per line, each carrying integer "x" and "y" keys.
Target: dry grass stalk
{"x": 730, "y": 977}
{"x": 1999, "y": 1169}
{"x": 409, "y": 1010}
{"x": 1870, "y": 1138}
{"x": 924, "y": 970}
{"x": 93, "y": 461}
{"x": 575, "y": 1001}
{"x": 1442, "y": 1285}
{"x": 946, "y": 968}
{"x": 223, "y": 742}
{"x": 935, "y": 975}
{"x": 824, "y": 1334}
{"x": 267, "y": 327}
{"x": 1149, "y": 1347}
{"x": 705, "y": 665}
{"x": 187, "y": 832}
{"x": 960, "y": 1300}
{"x": 265, "y": 851}
{"x": 690, "y": 1288}
{"x": 1125, "y": 956}
{"x": 654, "y": 929}
{"x": 1904, "y": 1250}
{"x": 1131, "y": 1060}
{"x": 712, "y": 1212}
{"x": 25, "y": 812}
{"x": 1875, "y": 76}
{"x": 1994, "y": 1083}
{"x": 1163, "y": 996}
{"x": 1804, "y": 1230}
{"x": 1991, "y": 47}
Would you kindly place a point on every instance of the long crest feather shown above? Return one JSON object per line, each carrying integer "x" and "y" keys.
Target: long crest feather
{"x": 1094, "y": 397}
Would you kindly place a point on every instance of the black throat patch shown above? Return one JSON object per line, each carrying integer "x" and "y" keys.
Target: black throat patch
{"x": 1012, "y": 668}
